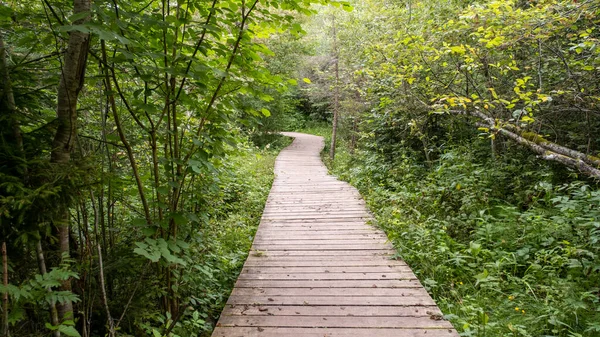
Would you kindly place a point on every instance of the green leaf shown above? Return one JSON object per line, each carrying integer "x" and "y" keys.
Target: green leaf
{"x": 51, "y": 327}
{"x": 152, "y": 254}
{"x": 460, "y": 50}
{"x": 77, "y": 28}
{"x": 265, "y": 112}
{"x": 179, "y": 219}
{"x": 347, "y": 7}
{"x": 474, "y": 248}
{"x": 79, "y": 16}
{"x": 307, "y": 80}
{"x": 68, "y": 330}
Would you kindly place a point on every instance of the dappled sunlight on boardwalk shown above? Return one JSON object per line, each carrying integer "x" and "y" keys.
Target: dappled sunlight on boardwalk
{"x": 317, "y": 269}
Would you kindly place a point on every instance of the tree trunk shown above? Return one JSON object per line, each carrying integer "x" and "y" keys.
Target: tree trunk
{"x": 71, "y": 83}
{"x": 354, "y": 134}
{"x": 9, "y": 99}
{"x": 42, "y": 268}
{"x": 109, "y": 319}
{"x": 546, "y": 149}
{"x": 5, "y": 330}
{"x": 336, "y": 98}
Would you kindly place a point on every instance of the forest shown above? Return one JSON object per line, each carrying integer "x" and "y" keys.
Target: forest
{"x": 138, "y": 138}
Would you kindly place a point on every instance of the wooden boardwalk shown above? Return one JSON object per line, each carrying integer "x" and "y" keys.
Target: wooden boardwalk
{"x": 317, "y": 269}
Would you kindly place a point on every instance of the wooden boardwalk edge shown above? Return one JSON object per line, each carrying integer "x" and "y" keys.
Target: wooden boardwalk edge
{"x": 316, "y": 268}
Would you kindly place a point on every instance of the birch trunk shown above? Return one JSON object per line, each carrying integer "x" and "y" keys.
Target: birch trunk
{"x": 71, "y": 83}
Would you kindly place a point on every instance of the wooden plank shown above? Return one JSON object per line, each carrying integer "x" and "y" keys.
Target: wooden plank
{"x": 336, "y": 292}
{"x": 329, "y": 276}
{"x": 322, "y": 269}
{"x": 360, "y": 230}
{"x": 317, "y": 236}
{"x": 308, "y": 217}
{"x": 264, "y": 256}
{"x": 322, "y": 247}
{"x": 279, "y": 207}
{"x": 393, "y": 283}
{"x": 330, "y": 332}
{"x": 319, "y": 252}
{"x": 327, "y": 227}
{"x": 298, "y": 241}
{"x": 331, "y": 311}
{"x": 334, "y": 322}
{"x": 324, "y": 300}
{"x": 255, "y": 262}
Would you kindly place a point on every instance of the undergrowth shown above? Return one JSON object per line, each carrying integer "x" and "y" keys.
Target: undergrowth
{"x": 236, "y": 211}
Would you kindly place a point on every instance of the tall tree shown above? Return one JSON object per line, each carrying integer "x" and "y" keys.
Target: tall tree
{"x": 336, "y": 91}
{"x": 71, "y": 82}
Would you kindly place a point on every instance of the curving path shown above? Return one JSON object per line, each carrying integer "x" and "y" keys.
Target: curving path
{"x": 317, "y": 269}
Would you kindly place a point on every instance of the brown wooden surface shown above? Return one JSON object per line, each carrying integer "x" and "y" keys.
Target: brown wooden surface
{"x": 318, "y": 269}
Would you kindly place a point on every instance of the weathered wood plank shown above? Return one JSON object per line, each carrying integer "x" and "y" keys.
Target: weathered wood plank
{"x": 322, "y": 247}
{"x": 265, "y": 256}
{"x": 330, "y": 332}
{"x": 329, "y": 276}
{"x": 372, "y": 292}
{"x": 326, "y": 262}
{"x": 334, "y": 322}
{"x": 394, "y": 283}
{"x": 316, "y": 236}
{"x": 331, "y": 300}
{"x": 331, "y": 311}
{"x": 330, "y": 242}
{"x": 321, "y": 269}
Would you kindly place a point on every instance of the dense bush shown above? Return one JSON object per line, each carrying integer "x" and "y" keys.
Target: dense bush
{"x": 503, "y": 249}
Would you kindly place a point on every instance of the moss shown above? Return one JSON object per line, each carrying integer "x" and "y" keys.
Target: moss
{"x": 593, "y": 158}
{"x": 533, "y": 137}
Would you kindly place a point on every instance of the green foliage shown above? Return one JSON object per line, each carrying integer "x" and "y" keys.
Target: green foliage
{"x": 39, "y": 292}
{"x": 216, "y": 256}
{"x": 506, "y": 245}
{"x": 504, "y": 251}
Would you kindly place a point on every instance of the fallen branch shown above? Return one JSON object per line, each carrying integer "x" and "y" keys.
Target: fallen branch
{"x": 544, "y": 148}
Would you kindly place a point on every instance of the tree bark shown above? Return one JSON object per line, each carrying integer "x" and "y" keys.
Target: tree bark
{"x": 336, "y": 98}
{"x": 71, "y": 83}
{"x": 8, "y": 97}
{"x": 5, "y": 330}
{"x": 42, "y": 268}
{"x": 109, "y": 319}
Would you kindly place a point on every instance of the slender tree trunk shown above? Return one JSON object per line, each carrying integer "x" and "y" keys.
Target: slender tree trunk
{"x": 5, "y": 330}
{"x": 71, "y": 83}
{"x": 42, "y": 268}
{"x": 354, "y": 134}
{"x": 336, "y": 96}
{"x": 109, "y": 319}
{"x": 8, "y": 97}
{"x": 121, "y": 132}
